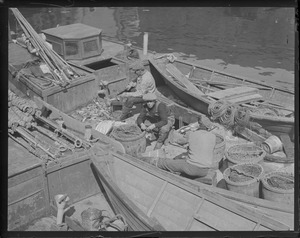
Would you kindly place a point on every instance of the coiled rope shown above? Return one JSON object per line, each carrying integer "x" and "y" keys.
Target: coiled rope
{"x": 223, "y": 111}
{"x": 231, "y": 116}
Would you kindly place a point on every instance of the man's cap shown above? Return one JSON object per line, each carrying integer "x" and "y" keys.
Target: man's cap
{"x": 149, "y": 97}
{"x": 137, "y": 65}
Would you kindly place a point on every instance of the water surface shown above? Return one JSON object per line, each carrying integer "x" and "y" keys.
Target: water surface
{"x": 254, "y": 42}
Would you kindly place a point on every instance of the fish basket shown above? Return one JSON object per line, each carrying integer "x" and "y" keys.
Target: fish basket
{"x": 278, "y": 186}
{"x": 244, "y": 178}
{"x": 131, "y": 137}
{"x": 91, "y": 218}
{"x": 244, "y": 153}
{"x": 219, "y": 150}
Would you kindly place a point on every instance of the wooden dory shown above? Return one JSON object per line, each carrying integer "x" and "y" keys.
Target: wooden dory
{"x": 198, "y": 87}
{"x": 129, "y": 178}
{"x": 172, "y": 202}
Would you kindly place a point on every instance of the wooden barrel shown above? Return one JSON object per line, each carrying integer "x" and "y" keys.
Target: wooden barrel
{"x": 277, "y": 190}
{"x": 248, "y": 186}
{"x": 134, "y": 142}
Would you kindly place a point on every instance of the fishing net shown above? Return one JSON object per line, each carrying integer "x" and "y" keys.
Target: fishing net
{"x": 244, "y": 172}
{"x": 243, "y": 153}
{"x": 126, "y": 132}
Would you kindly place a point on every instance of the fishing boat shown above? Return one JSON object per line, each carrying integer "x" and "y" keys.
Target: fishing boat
{"x": 59, "y": 103}
{"x": 200, "y": 87}
{"x": 141, "y": 193}
{"x": 82, "y": 179}
{"x": 173, "y": 202}
{"x": 119, "y": 173}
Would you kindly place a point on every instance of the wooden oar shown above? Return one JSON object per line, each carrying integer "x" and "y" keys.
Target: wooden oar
{"x": 228, "y": 84}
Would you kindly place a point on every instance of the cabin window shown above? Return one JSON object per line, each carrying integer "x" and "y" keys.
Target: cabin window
{"x": 57, "y": 47}
{"x": 90, "y": 46}
{"x": 72, "y": 48}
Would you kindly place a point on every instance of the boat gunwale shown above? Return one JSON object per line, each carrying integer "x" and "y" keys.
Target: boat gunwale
{"x": 187, "y": 182}
{"x": 238, "y": 77}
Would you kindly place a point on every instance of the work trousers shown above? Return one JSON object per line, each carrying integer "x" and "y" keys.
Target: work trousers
{"x": 181, "y": 166}
{"x": 163, "y": 131}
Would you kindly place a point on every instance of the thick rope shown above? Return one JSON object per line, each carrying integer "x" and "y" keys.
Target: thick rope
{"x": 224, "y": 112}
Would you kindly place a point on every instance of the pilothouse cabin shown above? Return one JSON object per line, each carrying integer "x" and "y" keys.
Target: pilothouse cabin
{"x": 75, "y": 42}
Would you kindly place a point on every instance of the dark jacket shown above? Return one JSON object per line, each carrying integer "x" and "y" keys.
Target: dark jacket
{"x": 159, "y": 111}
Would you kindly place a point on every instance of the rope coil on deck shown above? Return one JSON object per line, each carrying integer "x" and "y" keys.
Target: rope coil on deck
{"x": 231, "y": 116}
{"x": 223, "y": 111}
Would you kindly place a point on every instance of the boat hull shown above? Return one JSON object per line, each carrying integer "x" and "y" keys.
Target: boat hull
{"x": 275, "y": 125}
{"x": 158, "y": 194}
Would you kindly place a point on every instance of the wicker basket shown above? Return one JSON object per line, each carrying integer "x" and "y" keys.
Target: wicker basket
{"x": 249, "y": 187}
{"x": 241, "y": 157}
{"x": 276, "y": 193}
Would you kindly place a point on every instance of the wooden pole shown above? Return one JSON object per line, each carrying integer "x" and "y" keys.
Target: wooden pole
{"x": 145, "y": 45}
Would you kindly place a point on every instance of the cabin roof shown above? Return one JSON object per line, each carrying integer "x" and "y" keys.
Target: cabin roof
{"x": 73, "y": 31}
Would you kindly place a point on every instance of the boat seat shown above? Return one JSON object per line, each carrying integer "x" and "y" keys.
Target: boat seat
{"x": 241, "y": 94}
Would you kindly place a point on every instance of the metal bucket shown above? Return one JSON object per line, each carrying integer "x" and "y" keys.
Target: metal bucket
{"x": 272, "y": 144}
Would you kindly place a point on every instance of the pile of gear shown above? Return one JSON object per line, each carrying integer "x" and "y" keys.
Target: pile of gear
{"x": 60, "y": 72}
{"x": 42, "y": 137}
{"x": 93, "y": 113}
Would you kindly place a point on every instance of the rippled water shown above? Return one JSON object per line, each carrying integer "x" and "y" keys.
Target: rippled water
{"x": 254, "y": 42}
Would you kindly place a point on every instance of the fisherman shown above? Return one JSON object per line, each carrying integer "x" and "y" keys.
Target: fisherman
{"x": 139, "y": 86}
{"x": 197, "y": 161}
{"x": 158, "y": 115}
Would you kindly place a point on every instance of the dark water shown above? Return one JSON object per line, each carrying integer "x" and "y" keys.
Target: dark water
{"x": 248, "y": 37}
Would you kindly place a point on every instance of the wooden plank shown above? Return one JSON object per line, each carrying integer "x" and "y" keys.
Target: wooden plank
{"x": 246, "y": 98}
{"x": 24, "y": 175}
{"x": 246, "y": 212}
{"x": 233, "y": 92}
{"x": 214, "y": 198}
{"x": 188, "y": 226}
{"x": 157, "y": 198}
{"x": 179, "y": 76}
